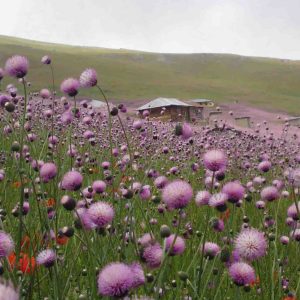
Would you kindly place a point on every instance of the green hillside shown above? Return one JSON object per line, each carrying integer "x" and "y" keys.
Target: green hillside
{"x": 134, "y": 75}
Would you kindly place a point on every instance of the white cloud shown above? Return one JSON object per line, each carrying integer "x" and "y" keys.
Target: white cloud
{"x": 256, "y": 27}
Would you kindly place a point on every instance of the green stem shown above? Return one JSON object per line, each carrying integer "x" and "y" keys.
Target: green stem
{"x": 21, "y": 172}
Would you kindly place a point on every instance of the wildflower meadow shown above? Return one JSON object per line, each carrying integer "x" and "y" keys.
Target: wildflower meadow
{"x": 104, "y": 203}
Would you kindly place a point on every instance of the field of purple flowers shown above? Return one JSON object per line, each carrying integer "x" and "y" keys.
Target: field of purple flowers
{"x": 99, "y": 203}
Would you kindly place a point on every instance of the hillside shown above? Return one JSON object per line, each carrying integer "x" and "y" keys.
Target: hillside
{"x": 133, "y": 75}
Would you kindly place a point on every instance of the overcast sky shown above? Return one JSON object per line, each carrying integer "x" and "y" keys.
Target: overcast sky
{"x": 248, "y": 27}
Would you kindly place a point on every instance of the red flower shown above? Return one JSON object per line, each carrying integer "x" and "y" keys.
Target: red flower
{"x": 62, "y": 240}
{"x": 26, "y": 263}
{"x": 225, "y": 215}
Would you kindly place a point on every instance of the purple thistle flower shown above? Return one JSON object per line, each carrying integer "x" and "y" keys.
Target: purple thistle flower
{"x": 67, "y": 117}
{"x": 146, "y": 239}
{"x": 260, "y": 204}
{"x": 145, "y": 192}
{"x": 46, "y": 60}
{"x": 202, "y": 198}
{"x": 46, "y": 258}
{"x": 160, "y": 182}
{"x": 85, "y": 219}
{"x": 1, "y": 74}
{"x": 70, "y": 87}
{"x": 17, "y": 66}
{"x": 48, "y": 113}
{"x": 178, "y": 247}
{"x": 234, "y": 191}
{"x": 186, "y": 132}
{"x": 6, "y": 244}
{"x": 177, "y": 194}
{"x": 279, "y": 184}
{"x": 88, "y": 134}
{"x": 26, "y": 207}
{"x": 214, "y": 160}
{"x": 217, "y": 224}
{"x": 294, "y": 177}
{"x": 45, "y": 93}
{"x": 53, "y": 140}
{"x": 137, "y": 124}
{"x": 152, "y": 254}
{"x": 211, "y": 250}
{"x": 115, "y": 280}
{"x": 101, "y": 213}
{"x": 218, "y": 201}
{"x": 242, "y": 273}
{"x": 115, "y": 152}
{"x": 269, "y": 193}
{"x": 3, "y": 100}
{"x": 99, "y": 186}
{"x": 138, "y": 275}
{"x": 48, "y": 171}
{"x": 2, "y": 175}
{"x": 292, "y": 211}
{"x": 146, "y": 113}
{"x": 88, "y": 78}
{"x": 105, "y": 165}
{"x": 250, "y": 244}
{"x": 72, "y": 181}
{"x": 8, "y": 292}
{"x": 295, "y": 234}
{"x": 284, "y": 240}
{"x": 235, "y": 257}
{"x": 264, "y": 166}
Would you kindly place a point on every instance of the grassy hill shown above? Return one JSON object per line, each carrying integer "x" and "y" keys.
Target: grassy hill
{"x": 133, "y": 75}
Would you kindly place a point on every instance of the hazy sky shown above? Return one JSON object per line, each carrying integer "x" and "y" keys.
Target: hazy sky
{"x": 248, "y": 27}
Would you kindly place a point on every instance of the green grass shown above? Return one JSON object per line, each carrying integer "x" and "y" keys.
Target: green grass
{"x": 132, "y": 75}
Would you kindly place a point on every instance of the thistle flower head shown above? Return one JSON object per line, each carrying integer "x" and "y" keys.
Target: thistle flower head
{"x": 234, "y": 191}
{"x": 45, "y": 93}
{"x": 250, "y": 244}
{"x": 152, "y": 254}
{"x": 214, "y": 160}
{"x": 177, "y": 194}
{"x": 115, "y": 280}
{"x": 8, "y": 292}
{"x": 6, "y": 244}
{"x": 211, "y": 250}
{"x": 46, "y": 60}
{"x": 17, "y": 66}
{"x": 48, "y": 171}
{"x": 72, "y": 181}
{"x": 88, "y": 78}
{"x": 46, "y": 258}
{"x": 202, "y": 198}
{"x": 175, "y": 244}
{"x": 101, "y": 213}
{"x": 242, "y": 273}
{"x": 70, "y": 86}
{"x": 269, "y": 193}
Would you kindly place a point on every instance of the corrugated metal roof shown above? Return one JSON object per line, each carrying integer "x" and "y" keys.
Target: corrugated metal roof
{"x": 240, "y": 118}
{"x": 97, "y": 103}
{"x": 201, "y": 100}
{"x": 293, "y": 119}
{"x": 163, "y": 102}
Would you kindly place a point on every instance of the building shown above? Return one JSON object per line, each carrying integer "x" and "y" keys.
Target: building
{"x": 203, "y": 102}
{"x": 295, "y": 121}
{"x": 214, "y": 115}
{"x": 198, "y": 107}
{"x": 169, "y": 108}
{"x": 97, "y": 103}
{"x": 243, "y": 121}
